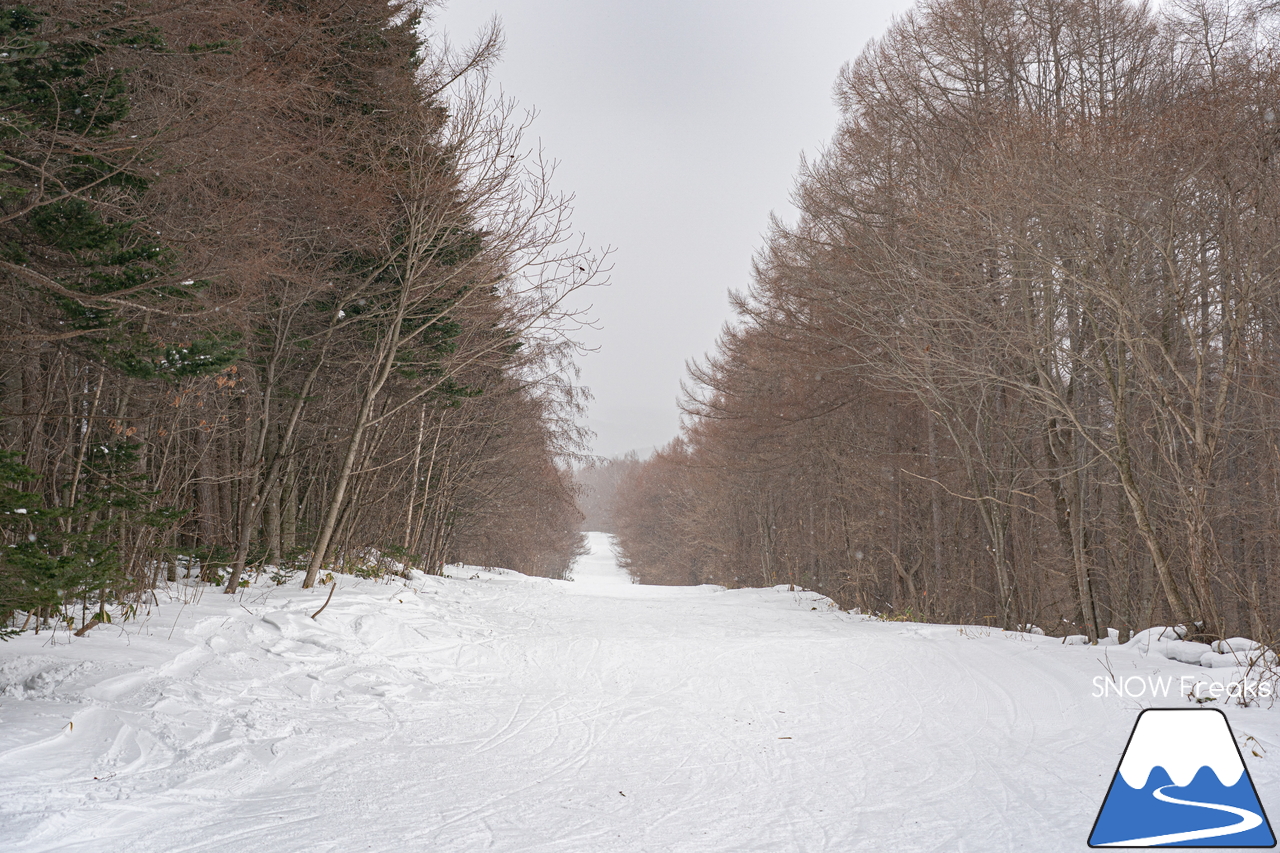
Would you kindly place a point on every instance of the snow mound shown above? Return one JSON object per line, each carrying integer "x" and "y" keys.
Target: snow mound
{"x": 1112, "y": 638}
{"x": 1144, "y": 641}
{"x": 1235, "y": 644}
{"x": 1186, "y": 651}
{"x": 1169, "y": 643}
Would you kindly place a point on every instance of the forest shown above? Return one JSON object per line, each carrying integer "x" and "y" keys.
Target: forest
{"x": 281, "y": 284}
{"x": 1016, "y": 361}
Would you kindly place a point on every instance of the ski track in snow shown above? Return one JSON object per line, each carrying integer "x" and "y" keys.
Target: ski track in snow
{"x": 506, "y": 713}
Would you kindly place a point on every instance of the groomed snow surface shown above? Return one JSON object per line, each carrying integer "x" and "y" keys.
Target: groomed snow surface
{"x": 492, "y": 711}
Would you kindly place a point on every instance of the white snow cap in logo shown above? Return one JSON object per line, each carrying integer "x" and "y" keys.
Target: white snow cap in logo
{"x": 1181, "y": 742}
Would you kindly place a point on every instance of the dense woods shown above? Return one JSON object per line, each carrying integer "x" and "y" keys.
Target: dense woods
{"x": 1017, "y": 360}
{"x": 280, "y": 284}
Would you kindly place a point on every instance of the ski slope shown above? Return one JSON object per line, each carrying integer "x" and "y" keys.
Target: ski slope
{"x": 495, "y": 712}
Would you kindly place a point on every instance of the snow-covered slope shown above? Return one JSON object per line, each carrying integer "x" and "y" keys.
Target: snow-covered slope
{"x": 491, "y": 711}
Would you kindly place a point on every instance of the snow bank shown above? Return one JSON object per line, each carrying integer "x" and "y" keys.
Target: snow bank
{"x": 1167, "y": 642}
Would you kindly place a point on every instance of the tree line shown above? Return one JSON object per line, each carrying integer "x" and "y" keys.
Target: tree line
{"x": 597, "y": 482}
{"x": 1017, "y": 360}
{"x": 280, "y": 283}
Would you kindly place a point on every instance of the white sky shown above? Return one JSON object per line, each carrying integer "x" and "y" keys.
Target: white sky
{"x": 678, "y": 125}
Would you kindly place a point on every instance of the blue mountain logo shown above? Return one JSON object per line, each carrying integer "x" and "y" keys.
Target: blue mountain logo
{"x": 1181, "y": 783}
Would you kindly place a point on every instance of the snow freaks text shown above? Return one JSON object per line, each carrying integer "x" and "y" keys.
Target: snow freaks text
{"x": 1152, "y": 686}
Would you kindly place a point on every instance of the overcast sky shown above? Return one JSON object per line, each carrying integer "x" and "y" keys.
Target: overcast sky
{"x": 678, "y": 125}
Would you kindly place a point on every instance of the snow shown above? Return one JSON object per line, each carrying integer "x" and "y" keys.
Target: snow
{"x": 492, "y": 711}
{"x": 1235, "y": 644}
{"x": 1181, "y": 743}
{"x": 1186, "y": 651}
{"x": 1236, "y": 652}
{"x": 599, "y": 567}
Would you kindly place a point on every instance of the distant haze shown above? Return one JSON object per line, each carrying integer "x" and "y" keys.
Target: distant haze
{"x": 679, "y": 126}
